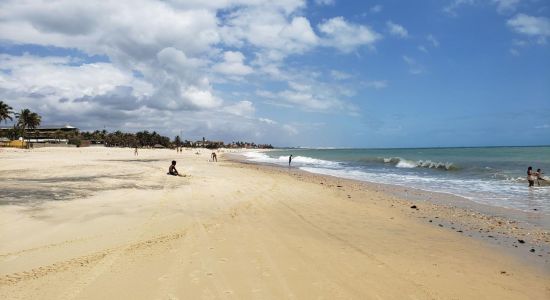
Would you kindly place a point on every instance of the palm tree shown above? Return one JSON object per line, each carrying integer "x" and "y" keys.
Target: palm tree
{"x": 27, "y": 120}
{"x": 5, "y": 112}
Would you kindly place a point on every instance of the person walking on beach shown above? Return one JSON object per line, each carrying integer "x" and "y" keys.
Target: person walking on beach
{"x": 289, "y": 160}
{"x": 531, "y": 176}
{"x": 214, "y": 157}
{"x": 172, "y": 169}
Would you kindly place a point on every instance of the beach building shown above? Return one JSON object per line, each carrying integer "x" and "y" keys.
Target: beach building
{"x": 48, "y": 134}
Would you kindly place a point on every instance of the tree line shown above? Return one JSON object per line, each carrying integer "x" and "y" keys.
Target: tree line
{"x": 28, "y": 121}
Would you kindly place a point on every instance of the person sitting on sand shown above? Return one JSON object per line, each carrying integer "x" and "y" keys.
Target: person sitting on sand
{"x": 531, "y": 176}
{"x": 172, "y": 169}
{"x": 539, "y": 176}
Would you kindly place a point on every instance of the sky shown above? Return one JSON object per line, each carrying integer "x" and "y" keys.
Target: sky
{"x": 317, "y": 73}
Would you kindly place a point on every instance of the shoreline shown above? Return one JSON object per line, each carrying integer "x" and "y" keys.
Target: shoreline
{"x": 501, "y": 227}
{"x": 230, "y": 230}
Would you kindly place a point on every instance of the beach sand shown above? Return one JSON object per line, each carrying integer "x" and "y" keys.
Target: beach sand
{"x": 100, "y": 223}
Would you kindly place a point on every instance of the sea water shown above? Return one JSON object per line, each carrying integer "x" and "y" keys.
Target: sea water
{"x": 493, "y": 176}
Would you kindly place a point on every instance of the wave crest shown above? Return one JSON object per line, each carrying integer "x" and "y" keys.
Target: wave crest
{"x": 409, "y": 164}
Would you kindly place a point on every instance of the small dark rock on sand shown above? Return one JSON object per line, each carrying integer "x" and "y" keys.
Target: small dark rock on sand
{"x": 414, "y": 207}
{"x": 521, "y": 241}
{"x": 532, "y": 250}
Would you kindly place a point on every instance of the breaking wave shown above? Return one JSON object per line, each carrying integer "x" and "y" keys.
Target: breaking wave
{"x": 296, "y": 160}
{"x": 409, "y": 164}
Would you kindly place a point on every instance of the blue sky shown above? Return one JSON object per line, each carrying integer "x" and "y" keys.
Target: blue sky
{"x": 292, "y": 73}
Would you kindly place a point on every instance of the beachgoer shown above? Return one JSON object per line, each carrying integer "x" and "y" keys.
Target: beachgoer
{"x": 531, "y": 176}
{"x": 135, "y": 151}
{"x": 539, "y": 176}
{"x": 172, "y": 169}
{"x": 214, "y": 157}
{"x": 289, "y": 160}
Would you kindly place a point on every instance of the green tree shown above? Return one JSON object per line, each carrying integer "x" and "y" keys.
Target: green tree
{"x": 5, "y": 112}
{"x": 27, "y": 120}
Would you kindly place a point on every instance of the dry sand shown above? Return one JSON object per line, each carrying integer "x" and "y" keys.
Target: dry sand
{"x": 120, "y": 228}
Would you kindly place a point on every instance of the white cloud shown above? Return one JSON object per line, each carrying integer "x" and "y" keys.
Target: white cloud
{"x": 162, "y": 61}
{"x": 422, "y": 48}
{"x": 339, "y": 75}
{"x": 414, "y": 67}
{"x": 268, "y": 30}
{"x": 538, "y": 27}
{"x": 453, "y": 6}
{"x": 291, "y": 130}
{"x": 506, "y": 6}
{"x": 325, "y": 2}
{"x": 268, "y": 121}
{"x": 241, "y": 108}
{"x": 397, "y": 30}
{"x": 347, "y": 36}
{"x": 376, "y": 9}
{"x": 233, "y": 64}
{"x": 377, "y": 84}
{"x": 432, "y": 40}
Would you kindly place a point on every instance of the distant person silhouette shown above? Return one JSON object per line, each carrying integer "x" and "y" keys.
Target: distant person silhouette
{"x": 289, "y": 160}
{"x": 214, "y": 157}
{"x": 531, "y": 176}
{"x": 172, "y": 169}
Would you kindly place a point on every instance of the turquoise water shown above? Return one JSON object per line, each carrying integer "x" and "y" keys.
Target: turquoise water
{"x": 493, "y": 176}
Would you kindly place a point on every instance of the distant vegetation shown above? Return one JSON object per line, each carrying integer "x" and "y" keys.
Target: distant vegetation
{"x": 28, "y": 122}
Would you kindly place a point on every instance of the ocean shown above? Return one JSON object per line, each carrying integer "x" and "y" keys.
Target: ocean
{"x": 494, "y": 176}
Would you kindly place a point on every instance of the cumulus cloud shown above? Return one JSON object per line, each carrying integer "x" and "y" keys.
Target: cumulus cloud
{"x": 233, "y": 64}
{"x": 347, "y": 36}
{"x": 241, "y": 108}
{"x": 163, "y": 60}
{"x": 538, "y": 27}
{"x": 397, "y": 30}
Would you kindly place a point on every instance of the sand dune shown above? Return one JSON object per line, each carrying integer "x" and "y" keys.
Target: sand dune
{"x": 98, "y": 223}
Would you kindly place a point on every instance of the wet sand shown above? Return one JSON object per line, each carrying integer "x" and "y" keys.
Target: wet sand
{"x": 97, "y": 223}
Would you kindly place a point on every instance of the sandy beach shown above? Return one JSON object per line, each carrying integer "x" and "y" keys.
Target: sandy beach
{"x": 101, "y": 223}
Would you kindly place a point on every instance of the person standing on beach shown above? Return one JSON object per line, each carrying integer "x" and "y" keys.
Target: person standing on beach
{"x": 531, "y": 176}
{"x": 214, "y": 157}
{"x": 135, "y": 151}
{"x": 289, "y": 160}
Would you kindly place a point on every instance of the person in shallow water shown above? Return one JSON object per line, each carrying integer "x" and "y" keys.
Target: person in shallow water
{"x": 531, "y": 176}
{"x": 172, "y": 169}
{"x": 539, "y": 176}
{"x": 289, "y": 160}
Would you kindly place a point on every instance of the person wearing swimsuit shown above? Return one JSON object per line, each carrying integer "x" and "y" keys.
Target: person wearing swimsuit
{"x": 530, "y": 176}
{"x": 172, "y": 169}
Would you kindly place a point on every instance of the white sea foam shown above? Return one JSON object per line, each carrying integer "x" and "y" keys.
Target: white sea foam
{"x": 409, "y": 164}
{"x": 489, "y": 192}
{"x": 296, "y": 160}
{"x": 406, "y": 164}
